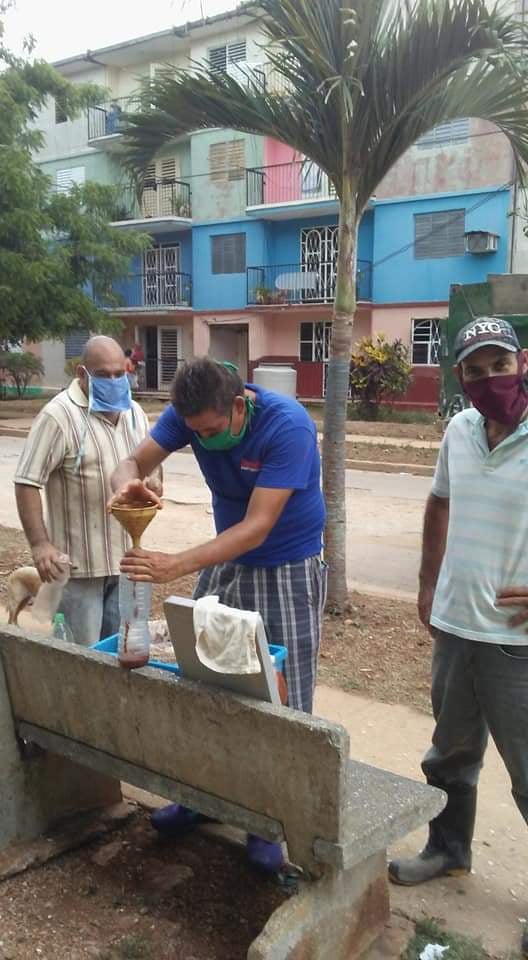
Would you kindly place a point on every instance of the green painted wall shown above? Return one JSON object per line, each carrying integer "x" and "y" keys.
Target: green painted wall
{"x": 98, "y": 166}
{"x": 226, "y": 199}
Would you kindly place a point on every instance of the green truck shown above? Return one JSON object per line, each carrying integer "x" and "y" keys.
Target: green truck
{"x": 502, "y": 295}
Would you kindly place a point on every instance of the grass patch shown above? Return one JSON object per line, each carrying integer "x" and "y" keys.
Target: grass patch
{"x": 394, "y": 415}
{"x": 460, "y": 947}
{"x": 130, "y": 948}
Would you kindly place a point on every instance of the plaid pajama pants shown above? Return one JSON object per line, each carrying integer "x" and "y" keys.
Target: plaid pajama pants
{"x": 290, "y": 599}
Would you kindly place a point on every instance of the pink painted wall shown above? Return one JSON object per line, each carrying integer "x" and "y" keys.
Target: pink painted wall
{"x": 282, "y": 181}
{"x": 484, "y": 160}
{"x": 396, "y": 322}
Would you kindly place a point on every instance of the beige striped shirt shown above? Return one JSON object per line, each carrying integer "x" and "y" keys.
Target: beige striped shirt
{"x": 76, "y": 491}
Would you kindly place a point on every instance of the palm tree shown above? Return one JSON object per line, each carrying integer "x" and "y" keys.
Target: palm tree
{"x": 362, "y": 81}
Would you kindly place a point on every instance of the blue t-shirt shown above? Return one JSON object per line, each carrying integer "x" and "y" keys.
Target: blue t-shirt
{"x": 279, "y": 451}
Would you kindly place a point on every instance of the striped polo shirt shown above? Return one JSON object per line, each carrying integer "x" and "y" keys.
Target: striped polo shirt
{"x": 77, "y": 489}
{"x": 487, "y": 540}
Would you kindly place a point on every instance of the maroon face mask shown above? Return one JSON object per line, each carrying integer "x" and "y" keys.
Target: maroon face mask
{"x": 500, "y": 398}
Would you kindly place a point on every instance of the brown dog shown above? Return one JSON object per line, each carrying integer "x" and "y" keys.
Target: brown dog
{"x": 22, "y": 587}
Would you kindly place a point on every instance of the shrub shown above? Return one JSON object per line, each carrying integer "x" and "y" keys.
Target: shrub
{"x": 378, "y": 370}
{"x": 20, "y": 368}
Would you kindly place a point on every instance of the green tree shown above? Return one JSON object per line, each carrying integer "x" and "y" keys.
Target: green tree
{"x": 378, "y": 370}
{"x": 56, "y": 249}
{"x": 19, "y": 368}
{"x": 363, "y": 79}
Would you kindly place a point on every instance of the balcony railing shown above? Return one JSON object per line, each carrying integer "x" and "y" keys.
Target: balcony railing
{"x": 106, "y": 119}
{"x": 160, "y": 198}
{"x": 152, "y": 290}
{"x": 302, "y": 283}
{"x": 299, "y": 181}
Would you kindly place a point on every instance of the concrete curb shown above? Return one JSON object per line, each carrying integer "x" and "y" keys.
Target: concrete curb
{"x": 383, "y": 466}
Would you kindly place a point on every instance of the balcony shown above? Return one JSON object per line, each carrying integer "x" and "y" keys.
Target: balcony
{"x": 289, "y": 189}
{"x": 164, "y": 206}
{"x": 298, "y": 283}
{"x": 105, "y": 122}
{"x": 152, "y": 291}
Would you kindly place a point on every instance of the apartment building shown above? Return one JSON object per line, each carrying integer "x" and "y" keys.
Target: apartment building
{"x": 244, "y": 232}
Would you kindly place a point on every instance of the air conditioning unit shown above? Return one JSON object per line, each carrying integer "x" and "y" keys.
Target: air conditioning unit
{"x": 481, "y": 241}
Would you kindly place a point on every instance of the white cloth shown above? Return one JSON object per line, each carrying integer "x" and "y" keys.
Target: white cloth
{"x": 225, "y": 637}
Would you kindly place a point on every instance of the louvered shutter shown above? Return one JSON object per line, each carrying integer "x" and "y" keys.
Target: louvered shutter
{"x": 217, "y": 161}
{"x": 236, "y": 159}
{"x": 169, "y": 354}
{"x": 69, "y": 177}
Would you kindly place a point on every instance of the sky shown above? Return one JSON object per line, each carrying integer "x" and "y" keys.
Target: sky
{"x": 63, "y": 28}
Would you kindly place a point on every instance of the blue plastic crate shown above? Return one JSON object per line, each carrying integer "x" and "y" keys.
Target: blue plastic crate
{"x": 109, "y": 645}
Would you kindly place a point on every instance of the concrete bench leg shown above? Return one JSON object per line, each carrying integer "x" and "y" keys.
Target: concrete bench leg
{"x": 40, "y": 790}
{"x": 335, "y": 918}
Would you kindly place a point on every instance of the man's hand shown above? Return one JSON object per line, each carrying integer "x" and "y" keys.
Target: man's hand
{"x": 150, "y": 566}
{"x": 155, "y": 485}
{"x": 514, "y": 597}
{"x": 135, "y": 493}
{"x": 425, "y": 603}
{"x": 49, "y": 561}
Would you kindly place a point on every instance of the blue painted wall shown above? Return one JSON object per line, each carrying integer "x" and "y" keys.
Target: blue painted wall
{"x": 268, "y": 243}
{"x": 224, "y": 291}
{"x": 131, "y": 288}
{"x": 284, "y": 244}
{"x": 403, "y": 277}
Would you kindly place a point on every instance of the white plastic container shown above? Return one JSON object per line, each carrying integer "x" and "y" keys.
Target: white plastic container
{"x": 280, "y": 377}
{"x": 135, "y": 598}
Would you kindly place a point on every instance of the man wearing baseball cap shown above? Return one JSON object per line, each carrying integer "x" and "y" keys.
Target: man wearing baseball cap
{"x": 473, "y": 595}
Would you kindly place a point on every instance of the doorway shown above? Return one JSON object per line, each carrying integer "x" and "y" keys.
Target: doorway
{"x": 163, "y": 353}
{"x": 230, "y": 342}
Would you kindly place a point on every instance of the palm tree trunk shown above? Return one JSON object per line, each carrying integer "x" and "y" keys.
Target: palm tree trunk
{"x": 334, "y": 434}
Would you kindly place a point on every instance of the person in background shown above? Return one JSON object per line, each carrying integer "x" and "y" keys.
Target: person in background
{"x": 130, "y": 370}
{"x": 75, "y": 443}
{"x": 258, "y": 453}
{"x": 138, "y": 359}
{"x": 473, "y": 595}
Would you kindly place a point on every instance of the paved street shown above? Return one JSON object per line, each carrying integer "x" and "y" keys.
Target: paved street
{"x": 384, "y": 511}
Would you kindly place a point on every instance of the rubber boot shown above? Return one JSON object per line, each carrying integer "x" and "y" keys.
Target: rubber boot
{"x": 174, "y": 820}
{"x": 264, "y": 854}
{"x": 448, "y": 849}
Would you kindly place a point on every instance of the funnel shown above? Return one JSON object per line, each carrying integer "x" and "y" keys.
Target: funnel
{"x": 135, "y": 518}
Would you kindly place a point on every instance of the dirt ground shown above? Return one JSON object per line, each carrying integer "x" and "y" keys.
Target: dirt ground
{"x": 400, "y": 454}
{"x": 135, "y": 895}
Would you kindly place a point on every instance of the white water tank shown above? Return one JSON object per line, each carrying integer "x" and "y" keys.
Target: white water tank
{"x": 280, "y": 377}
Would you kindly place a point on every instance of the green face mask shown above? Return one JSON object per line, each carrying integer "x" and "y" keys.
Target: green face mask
{"x": 226, "y": 440}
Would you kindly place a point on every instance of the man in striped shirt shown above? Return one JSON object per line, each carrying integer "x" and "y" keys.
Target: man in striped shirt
{"x": 75, "y": 444}
{"x": 474, "y": 595}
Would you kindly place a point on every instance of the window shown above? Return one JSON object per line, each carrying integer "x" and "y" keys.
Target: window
{"x": 446, "y": 134}
{"x": 229, "y": 253}
{"x": 74, "y": 342}
{"x": 439, "y": 234}
{"x": 315, "y": 341}
{"x": 426, "y": 342}
{"x": 60, "y": 113}
{"x": 221, "y": 57}
{"x": 69, "y": 177}
{"x": 227, "y": 161}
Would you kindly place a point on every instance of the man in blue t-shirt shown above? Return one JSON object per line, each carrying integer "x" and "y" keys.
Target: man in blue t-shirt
{"x": 258, "y": 453}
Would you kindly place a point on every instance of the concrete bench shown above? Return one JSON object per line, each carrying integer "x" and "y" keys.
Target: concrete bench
{"x": 275, "y": 772}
